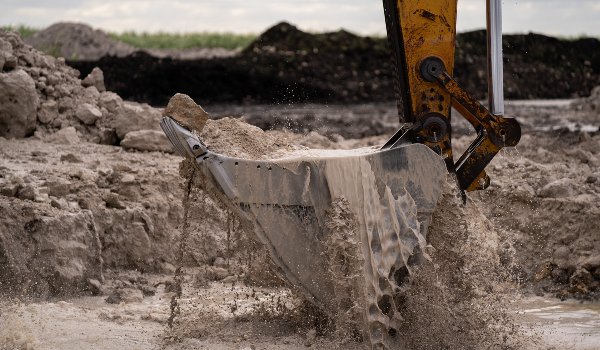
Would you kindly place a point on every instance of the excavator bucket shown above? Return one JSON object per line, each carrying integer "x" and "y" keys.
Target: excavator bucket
{"x": 289, "y": 204}
{"x": 342, "y": 225}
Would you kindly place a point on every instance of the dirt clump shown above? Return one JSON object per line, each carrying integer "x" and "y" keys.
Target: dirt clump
{"x": 51, "y": 99}
{"x": 186, "y": 112}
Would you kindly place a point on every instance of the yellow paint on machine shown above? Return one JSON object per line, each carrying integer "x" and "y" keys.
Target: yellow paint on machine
{"x": 428, "y": 29}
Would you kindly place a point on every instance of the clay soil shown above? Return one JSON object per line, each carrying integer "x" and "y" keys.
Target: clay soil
{"x": 543, "y": 203}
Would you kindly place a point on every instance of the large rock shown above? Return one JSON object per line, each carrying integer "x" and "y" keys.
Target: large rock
{"x": 185, "y": 111}
{"x": 134, "y": 116}
{"x": 147, "y": 140}
{"x": 18, "y": 104}
{"x": 95, "y": 78}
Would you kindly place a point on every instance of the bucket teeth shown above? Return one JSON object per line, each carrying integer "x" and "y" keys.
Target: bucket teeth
{"x": 184, "y": 141}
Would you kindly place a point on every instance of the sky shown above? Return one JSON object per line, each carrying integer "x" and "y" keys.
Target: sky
{"x": 552, "y": 17}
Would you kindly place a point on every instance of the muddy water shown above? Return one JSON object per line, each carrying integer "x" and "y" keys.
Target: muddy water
{"x": 569, "y": 324}
{"x": 90, "y": 323}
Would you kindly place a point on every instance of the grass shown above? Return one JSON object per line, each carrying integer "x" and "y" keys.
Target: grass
{"x": 162, "y": 40}
{"x": 25, "y": 30}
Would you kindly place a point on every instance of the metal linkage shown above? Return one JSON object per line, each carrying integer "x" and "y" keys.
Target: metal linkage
{"x": 494, "y": 132}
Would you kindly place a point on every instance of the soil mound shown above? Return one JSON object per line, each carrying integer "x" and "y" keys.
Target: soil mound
{"x": 285, "y": 65}
{"x": 77, "y": 41}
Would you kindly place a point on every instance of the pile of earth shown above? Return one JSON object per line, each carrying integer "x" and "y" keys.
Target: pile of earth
{"x": 287, "y": 65}
{"x": 78, "y": 41}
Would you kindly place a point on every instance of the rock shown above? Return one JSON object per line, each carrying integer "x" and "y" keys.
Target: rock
{"x": 9, "y": 191}
{"x": 580, "y": 281}
{"x": 214, "y": 273}
{"x": 125, "y": 295}
{"x": 95, "y": 78}
{"x": 112, "y": 201}
{"x": 91, "y": 93}
{"x": 55, "y": 204}
{"x": 53, "y": 78}
{"x": 66, "y": 103}
{"x": 523, "y": 192}
{"x": 591, "y": 179}
{"x": 170, "y": 286}
{"x": 185, "y": 111}
{"x": 148, "y": 140}
{"x": 133, "y": 117}
{"x": 75, "y": 173}
{"x": 5, "y": 51}
{"x": 11, "y": 62}
{"x": 561, "y": 256}
{"x": 166, "y": 268}
{"x": 42, "y": 61}
{"x": 128, "y": 179}
{"x": 18, "y": 104}
{"x": 5, "y": 46}
{"x": 66, "y": 136}
{"x": 594, "y": 161}
{"x": 148, "y": 291}
{"x": 94, "y": 286}
{"x": 28, "y": 192}
{"x": 87, "y": 113}
{"x": 562, "y": 188}
{"x": 107, "y": 136}
{"x": 591, "y": 263}
{"x": 58, "y": 187}
{"x": 87, "y": 203}
{"x": 71, "y": 158}
{"x": 111, "y": 101}
{"x": 48, "y": 112}
{"x": 27, "y": 58}
{"x": 543, "y": 272}
{"x": 41, "y": 198}
{"x": 88, "y": 177}
{"x": 560, "y": 276}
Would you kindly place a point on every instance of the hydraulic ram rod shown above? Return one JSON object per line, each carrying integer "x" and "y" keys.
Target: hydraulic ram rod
{"x": 494, "y": 52}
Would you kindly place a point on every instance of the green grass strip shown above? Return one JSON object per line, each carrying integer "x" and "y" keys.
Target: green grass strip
{"x": 163, "y": 40}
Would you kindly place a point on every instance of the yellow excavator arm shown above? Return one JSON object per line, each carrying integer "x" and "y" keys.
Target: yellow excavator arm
{"x": 421, "y": 37}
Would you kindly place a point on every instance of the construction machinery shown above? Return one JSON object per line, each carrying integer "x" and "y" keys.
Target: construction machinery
{"x": 391, "y": 192}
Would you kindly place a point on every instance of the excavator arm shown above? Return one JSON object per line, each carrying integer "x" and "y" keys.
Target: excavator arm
{"x": 421, "y": 38}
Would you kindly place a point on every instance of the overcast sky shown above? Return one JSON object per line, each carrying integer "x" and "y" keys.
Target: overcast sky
{"x": 554, "y": 17}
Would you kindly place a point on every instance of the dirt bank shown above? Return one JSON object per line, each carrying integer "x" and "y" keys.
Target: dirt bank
{"x": 79, "y": 42}
{"x": 287, "y": 65}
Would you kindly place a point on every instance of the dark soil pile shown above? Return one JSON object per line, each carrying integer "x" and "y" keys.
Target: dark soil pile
{"x": 286, "y": 65}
